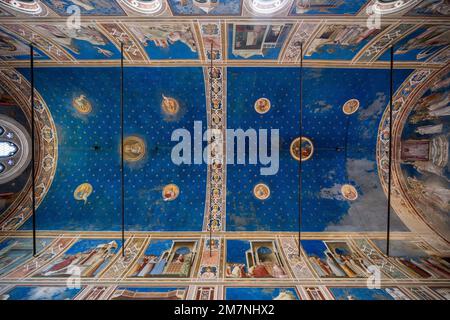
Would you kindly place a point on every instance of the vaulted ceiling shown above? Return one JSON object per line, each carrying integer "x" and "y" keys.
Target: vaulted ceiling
{"x": 335, "y": 37}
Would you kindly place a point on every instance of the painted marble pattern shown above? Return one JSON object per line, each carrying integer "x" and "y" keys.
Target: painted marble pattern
{"x": 167, "y": 41}
{"x": 149, "y": 293}
{"x": 86, "y": 7}
{"x": 205, "y": 7}
{"x": 322, "y": 7}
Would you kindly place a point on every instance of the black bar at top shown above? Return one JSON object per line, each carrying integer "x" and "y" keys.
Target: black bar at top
{"x": 391, "y": 88}
{"x": 33, "y": 183}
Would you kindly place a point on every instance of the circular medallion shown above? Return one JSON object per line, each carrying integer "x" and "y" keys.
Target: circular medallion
{"x": 133, "y": 149}
{"x": 82, "y": 104}
{"x": 261, "y": 191}
{"x": 351, "y": 106}
{"x": 262, "y": 105}
{"x": 170, "y": 106}
{"x": 170, "y": 192}
{"x": 83, "y": 191}
{"x": 307, "y": 148}
{"x": 349, "y": 192}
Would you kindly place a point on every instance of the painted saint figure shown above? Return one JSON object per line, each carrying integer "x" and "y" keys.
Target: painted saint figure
{"x": 133, "y": 149}
{"x": 349, "y": 192}
{"x": 261, "y": 191}
{"x": 262, "y": 105}
{"x": 170, "y": 192}
{"x": 83, "y": 191}
{"x": 82, "y": 104}
{"x": 169, "y": 105}
{"x": 351, "y": 106}
{"x": 307, "y": 149}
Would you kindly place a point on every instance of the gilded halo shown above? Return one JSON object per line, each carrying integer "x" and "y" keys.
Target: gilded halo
{"x": 262, "y": 105}
{"x": 351, "y": 106}
{"x": 133, "y": 148}
{"x": 170, "y": 106}
{"x": 83, "y": 191}
{"x": 261, "y": 191}
{"x": 349, "y": 192}
{"x": 170, "y": 192}
{"x": 82, "y": 104}
{"x": 307, "y": 149}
